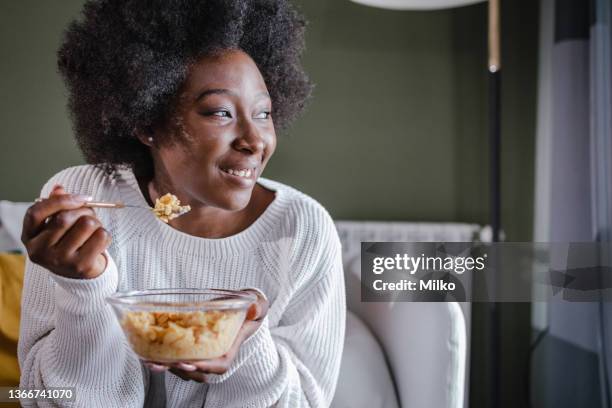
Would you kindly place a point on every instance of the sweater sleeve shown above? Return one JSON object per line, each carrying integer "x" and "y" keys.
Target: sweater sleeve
{"x": 69, "y": 337}
{"x": 297, "y": 363}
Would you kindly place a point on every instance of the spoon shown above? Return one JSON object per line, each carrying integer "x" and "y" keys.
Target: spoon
{"x": 103, "y": 204}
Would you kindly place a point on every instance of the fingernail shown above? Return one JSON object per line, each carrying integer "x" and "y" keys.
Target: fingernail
{"x": 156, "y": 367}
{"x": 187, "y": 367}
{"x": 82, "y": 197}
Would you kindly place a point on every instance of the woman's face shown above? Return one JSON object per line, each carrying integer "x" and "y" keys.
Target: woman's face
{"x": 225, "y": 132}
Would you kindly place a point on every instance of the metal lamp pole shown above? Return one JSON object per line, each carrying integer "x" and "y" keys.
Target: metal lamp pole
{"x": 494, "y": 67}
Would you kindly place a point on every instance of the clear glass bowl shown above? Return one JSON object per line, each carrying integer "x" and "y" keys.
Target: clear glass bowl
{"x": 173, "y": 325}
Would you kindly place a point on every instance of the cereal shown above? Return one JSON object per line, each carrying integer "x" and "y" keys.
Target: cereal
{"x": 168, "y": 207}
{"x": 182, "y": 336}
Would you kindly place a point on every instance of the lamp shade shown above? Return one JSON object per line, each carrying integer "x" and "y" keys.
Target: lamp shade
{"x": 416, "y": 4}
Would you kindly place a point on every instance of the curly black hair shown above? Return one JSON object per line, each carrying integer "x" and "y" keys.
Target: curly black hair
{"x": 125, "y": 61}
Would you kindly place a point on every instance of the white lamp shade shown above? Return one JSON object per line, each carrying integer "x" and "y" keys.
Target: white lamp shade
{"x": 416, "y": 4}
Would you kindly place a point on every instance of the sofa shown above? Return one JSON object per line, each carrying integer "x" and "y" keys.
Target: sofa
{"x": 403, "y": 354}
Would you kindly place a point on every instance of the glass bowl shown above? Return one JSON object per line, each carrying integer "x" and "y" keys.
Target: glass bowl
{"x": 173, "y": 325}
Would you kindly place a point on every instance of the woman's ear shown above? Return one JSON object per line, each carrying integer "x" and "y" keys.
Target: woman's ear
{"x": 145, "y": 136}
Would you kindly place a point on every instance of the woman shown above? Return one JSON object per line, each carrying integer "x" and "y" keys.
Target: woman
{"x": 182, "y": 97}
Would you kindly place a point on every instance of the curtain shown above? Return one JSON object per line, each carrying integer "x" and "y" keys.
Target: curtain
{"x": 571, "y": 359}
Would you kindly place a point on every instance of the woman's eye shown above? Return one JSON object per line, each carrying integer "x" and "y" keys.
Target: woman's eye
{"x": 222, "y": 114}
{"x": 217, "y": 113}
{"x": 263, "y": 115}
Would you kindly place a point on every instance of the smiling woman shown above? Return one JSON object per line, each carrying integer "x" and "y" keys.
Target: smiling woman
{"x": 182, "y": 97}
{"x": 226, "y": 137}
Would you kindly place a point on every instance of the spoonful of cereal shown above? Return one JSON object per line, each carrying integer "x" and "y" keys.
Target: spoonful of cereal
{"x": 167, "y": 207}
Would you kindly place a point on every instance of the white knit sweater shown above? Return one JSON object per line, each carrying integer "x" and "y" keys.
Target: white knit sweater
{"x": 70, "y": 337}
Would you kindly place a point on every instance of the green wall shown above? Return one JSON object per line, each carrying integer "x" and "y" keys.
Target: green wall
{"x": 36, "y": 136}
{"x": 376, "y": 141}
{"x": 396, "y": 129}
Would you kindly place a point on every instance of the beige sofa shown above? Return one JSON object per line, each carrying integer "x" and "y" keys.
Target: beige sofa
{"x": 410, "y": 355}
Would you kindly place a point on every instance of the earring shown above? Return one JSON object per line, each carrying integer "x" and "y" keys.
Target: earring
{"x": 150, "y": 139}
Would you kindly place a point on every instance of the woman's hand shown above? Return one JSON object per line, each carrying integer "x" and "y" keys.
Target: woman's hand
{"x": 197, "y": 371}
{"x": 65, "y": 237}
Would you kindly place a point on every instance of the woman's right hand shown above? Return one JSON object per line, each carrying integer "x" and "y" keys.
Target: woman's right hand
{"x": 65, "y": 237}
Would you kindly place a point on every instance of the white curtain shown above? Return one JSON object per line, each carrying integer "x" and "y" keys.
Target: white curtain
{"x": 573, "y": 197}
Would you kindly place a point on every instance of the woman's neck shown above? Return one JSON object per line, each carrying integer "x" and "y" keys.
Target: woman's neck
{"x": 207, "y": 221}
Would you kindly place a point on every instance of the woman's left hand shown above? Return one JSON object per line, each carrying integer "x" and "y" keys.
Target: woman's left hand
{"x": 197, "y": 371}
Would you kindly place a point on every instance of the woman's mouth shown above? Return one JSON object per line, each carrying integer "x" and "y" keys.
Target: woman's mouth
{"x": 244, "y": 178}
{"x": 246, "y": 173}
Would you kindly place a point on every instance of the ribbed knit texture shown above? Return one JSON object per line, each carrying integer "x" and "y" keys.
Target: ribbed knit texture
{"x": 69, "y": 336}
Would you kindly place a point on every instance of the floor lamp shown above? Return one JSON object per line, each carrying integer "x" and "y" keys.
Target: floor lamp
{"x": 494, "y": 68}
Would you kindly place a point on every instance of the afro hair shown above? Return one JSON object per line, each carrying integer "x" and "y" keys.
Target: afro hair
{"x": 124, "y": 62}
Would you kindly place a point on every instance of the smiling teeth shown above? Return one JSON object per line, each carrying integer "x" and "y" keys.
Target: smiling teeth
{"x": 241, "y": 173}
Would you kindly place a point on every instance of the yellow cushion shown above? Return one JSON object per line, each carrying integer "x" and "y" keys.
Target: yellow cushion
{"x": 11, "y": 283}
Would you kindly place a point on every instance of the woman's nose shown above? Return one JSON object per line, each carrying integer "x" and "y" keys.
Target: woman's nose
{"x": 250, "y": 138}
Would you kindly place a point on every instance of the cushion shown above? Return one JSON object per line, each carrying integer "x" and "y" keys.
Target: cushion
{"x": 364, "y": 379}
{"x": 11, "y": 283}
{"x": 11, "y": 222}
